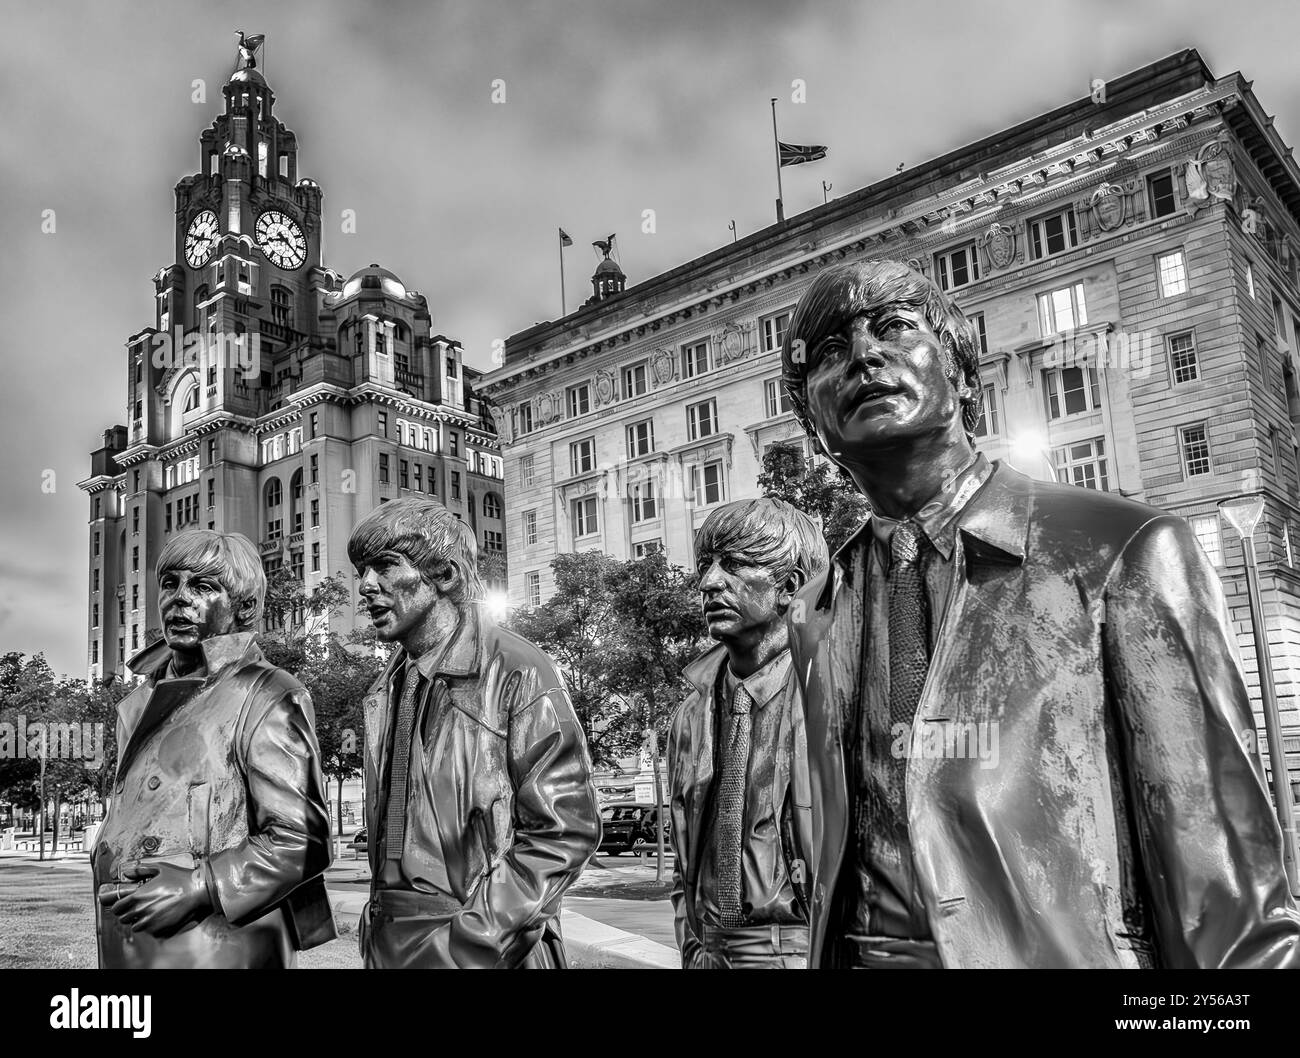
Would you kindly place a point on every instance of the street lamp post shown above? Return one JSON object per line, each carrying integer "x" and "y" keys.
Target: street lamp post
{"x": 1243, "y": 514}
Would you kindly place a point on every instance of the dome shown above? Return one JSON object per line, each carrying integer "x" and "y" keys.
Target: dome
{"x": 608, "y": 267}
{"x": 374, "y": 278}
{"x": 248, "y": 76}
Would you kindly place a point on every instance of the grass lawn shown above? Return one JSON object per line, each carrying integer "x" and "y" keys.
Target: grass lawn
{"x": 47, "y": 920}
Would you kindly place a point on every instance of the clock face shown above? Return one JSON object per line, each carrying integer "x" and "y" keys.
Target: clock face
{"x": 201, "y": 238}
{"x": 280, "y": 238}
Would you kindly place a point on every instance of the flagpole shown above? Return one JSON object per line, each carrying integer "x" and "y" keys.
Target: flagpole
{"x": 776, "y": 146}
{"x": 563, "y": 310}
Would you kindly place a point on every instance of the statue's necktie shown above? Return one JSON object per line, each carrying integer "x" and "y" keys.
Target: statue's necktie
{"x": 730, "y": 820}
{"x": 395, "y": 827}
{"x": 909, "y": 622}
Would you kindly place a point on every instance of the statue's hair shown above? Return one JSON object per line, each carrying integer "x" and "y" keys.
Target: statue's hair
{"x": 844, "y": 291}
{"x": 767, "y": 532}
{"x": 230, "y": 557}
{"x": 430, "y": 536}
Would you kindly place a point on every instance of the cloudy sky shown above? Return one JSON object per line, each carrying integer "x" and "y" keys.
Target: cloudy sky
{"x": 611, "y": 108}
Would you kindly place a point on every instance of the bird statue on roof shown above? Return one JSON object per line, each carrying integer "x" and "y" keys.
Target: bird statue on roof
{"x": 248, "y": 48}
{"x": 605, "y": 246}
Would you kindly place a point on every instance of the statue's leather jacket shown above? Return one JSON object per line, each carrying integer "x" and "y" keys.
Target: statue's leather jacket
{"x": 503, "y": 779}
{"x": 220, "y": 771}
{"x": 1123, "y": 820}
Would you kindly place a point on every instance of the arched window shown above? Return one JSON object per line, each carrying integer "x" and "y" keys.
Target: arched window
{"x": 491, "y": 505}
{"x": 274, "y": 493}
{"x": 191, "y": 400}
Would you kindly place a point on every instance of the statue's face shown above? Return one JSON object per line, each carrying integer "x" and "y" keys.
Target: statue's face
{"x": 397, "y": 597}
{"x": 879, "y": 382}
{"x": 194, "y": 607}
{"x": 737, "y": 597}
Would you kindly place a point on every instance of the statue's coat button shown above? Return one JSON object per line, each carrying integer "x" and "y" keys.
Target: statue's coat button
{"x": 154, "y": 782}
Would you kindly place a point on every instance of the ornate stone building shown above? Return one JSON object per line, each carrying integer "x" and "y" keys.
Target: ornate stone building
{"x": 1131, "y": 262}
{"x": 272, "y": 396}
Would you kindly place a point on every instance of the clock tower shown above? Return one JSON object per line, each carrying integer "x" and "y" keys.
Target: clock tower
{"x": 272, "y": 397}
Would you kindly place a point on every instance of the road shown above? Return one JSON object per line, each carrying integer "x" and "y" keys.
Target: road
{"x": 650, "y": 918}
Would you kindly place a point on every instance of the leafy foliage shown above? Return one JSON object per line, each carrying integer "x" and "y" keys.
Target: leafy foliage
{"x": 818, "y": 489}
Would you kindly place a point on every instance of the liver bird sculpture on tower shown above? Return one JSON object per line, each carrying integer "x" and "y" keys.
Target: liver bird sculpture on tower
{"x": 605, "y": 246}
{"x": 248, "y": 48}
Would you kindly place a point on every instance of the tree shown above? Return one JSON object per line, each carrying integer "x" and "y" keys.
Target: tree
{"x": 576, "y": 626}
{"x": 337, "y": 680}
{"x": 660, "y": 629}
{"x": 816, "y": 488}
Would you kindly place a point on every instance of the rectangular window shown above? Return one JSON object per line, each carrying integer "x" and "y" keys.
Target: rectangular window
{"x": 1195, "y": 445}
{"x": 94, "y": 580}
{"x": 455, "y": 484}
{"x": 453, "y": 439}
{"x": 94, "y": 615}
{"x": 135, "y": 519}
{"x": 451, "y": 367}
{"x": 582, "y": 456}
{"x": 403, "y": 474}
{"x": 315, "y": 557}
{"x": 773, "y": 331}
{"x": 584, "y": 517}
{"x": 212, "y": 450}
{"x": 776, "y": 400}
{"x": 524, "y": 418}
{"x": 135, "y": 637}
{"x": 430, "y": 483}
{"x": 167, "y": 517}
{"x": 643, "y": 502}
{"x": 492, "y": 541}
{"x": 1173, "y": 274}
{"x": 419, "y": 486}
{"x": 525, "y": 470}
{"x": 1206, "y": 528}
{"x": 94, "y": 652}
{"x": 957, "y": 268}
{"x": 1250, "y": 284}
{"x": 1071, "y": 391}
{"x": 315, "y": 512}
{"x": 533, "y": 588}
{"x": 1160, "y": 194}
{"x": 988, "y": 424}
{"x": 706, "y": 484}
{"x": 315, "y": 470}
{"x": 135, "y": 596}
{"x": 315, "y": 423}
{"x": 1279, "y": 327}
{"x": 96, "y": 538}
{"x": 702, "y": 419}
{"x": 977, "y": 320}
{"x": 1062, "y": 310}
{"x": 1082, "y": 463}
{"x": 275, "y": 528}
{"x": 634, "y": 381}
{"x": 647, "y": 547}
{"x": 383, "y": 468}
{"x": 695, "y": 359}
{"x": 1276, "y": 451}
{"x": 1183, "y": 365}
{"x": 1052, "y": 234}
{"x": 640, "y": 438}
{"x": 135, "y": 559}
{"x": 381, "y": 423}
{"x": 530, "y": 528}
{"x": 579, "y": 399}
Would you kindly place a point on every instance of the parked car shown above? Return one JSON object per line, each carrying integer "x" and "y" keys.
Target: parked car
{"x": 358, "y": 841}
{"x": 627, "y": 826}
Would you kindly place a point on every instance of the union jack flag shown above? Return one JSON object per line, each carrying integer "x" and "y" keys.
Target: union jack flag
{"x": 794, "y": 153}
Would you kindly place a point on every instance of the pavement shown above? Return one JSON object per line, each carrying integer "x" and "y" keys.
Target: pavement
{"x": 616, "y": 916}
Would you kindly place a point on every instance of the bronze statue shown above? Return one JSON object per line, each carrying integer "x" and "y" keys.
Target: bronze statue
{"x": 216, "y": 838}
{"x": 1025, "y": 706}
{"x": 737, "y": 757}
{"x": 479, "y": 801}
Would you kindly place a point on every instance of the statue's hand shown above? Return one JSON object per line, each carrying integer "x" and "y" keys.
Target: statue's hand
{"x": 171, "y": 897}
